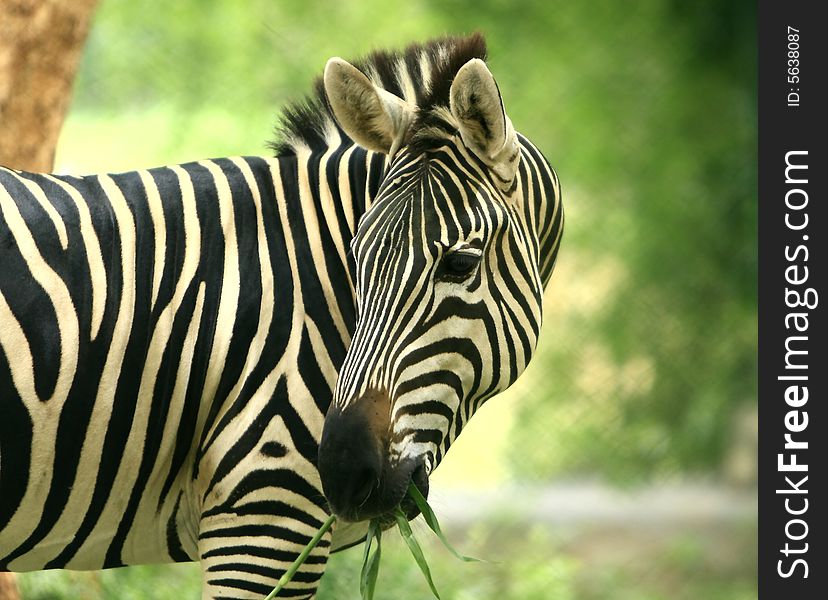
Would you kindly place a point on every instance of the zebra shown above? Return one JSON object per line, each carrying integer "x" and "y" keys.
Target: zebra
{"x": 202, "y": 362}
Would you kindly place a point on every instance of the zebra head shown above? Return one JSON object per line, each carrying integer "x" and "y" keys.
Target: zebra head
{"x": 450, "y": 263}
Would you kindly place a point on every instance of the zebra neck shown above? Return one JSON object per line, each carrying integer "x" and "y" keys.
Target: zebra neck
{"x": 333, "y": 187}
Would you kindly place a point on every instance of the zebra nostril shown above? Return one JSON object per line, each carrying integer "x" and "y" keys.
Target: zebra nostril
{"x": 363, "y": 486}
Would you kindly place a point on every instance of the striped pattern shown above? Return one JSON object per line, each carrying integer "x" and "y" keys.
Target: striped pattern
{"x": 171, "y": 339}
{"x": 163, "y": 373}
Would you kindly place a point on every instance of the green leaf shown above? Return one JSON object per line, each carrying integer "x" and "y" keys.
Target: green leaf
{"x": 285, "y": 579}
{"x": 434, "y": 525}
{"x": 370, "y": 562}
{"x": 416, "y": 551}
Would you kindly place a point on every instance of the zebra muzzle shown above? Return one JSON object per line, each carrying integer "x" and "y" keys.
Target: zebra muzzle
{"x": 359, "y": 477}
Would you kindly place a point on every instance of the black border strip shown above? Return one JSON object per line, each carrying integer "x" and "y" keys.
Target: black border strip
{"x": 792, "y": 276}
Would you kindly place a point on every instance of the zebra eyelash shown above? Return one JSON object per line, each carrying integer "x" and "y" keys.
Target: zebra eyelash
{"x": 458, "y": 265}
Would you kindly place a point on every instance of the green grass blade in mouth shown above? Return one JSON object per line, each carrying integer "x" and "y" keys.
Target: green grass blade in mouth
{"x": 371, "y": 562}
{"x": 434, "y": 525}
{"x": 285, "y": 579}
{"x": 414, "y": 546}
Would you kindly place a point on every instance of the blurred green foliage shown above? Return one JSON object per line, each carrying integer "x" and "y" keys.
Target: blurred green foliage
{"x": 667, "y": 116}
{"x": 647, "y": 110}
{"x": 160, "y": 582}
{"x": 534, "y": 565}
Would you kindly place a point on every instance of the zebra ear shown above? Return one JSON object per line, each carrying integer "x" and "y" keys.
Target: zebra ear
{"x": 476, "y": 104}
{"x": 373, "y": 117}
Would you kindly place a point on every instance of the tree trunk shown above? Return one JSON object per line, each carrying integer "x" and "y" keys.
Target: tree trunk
{"x": 8, "y": 587}
{"x": 40, "y": 48}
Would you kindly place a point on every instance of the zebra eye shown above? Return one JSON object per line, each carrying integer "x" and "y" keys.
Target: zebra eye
{"x": 458, "y": 265}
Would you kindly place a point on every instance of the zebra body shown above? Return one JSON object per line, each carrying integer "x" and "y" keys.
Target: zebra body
{"x": 173, "y": 338}
{"x": 183, "y": 346}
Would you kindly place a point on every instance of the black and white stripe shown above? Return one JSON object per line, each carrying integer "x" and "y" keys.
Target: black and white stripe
{"x": 173, "y": 338}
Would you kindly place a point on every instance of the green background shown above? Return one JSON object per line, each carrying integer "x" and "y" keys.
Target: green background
{"x": 645, "y": 377}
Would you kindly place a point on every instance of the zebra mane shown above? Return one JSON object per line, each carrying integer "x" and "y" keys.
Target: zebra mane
{"x": 421, "y": 74}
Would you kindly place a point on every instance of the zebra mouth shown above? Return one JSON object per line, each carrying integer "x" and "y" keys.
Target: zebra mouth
{"x": 391, "y": 495}
{"x": 418, "y": 478}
